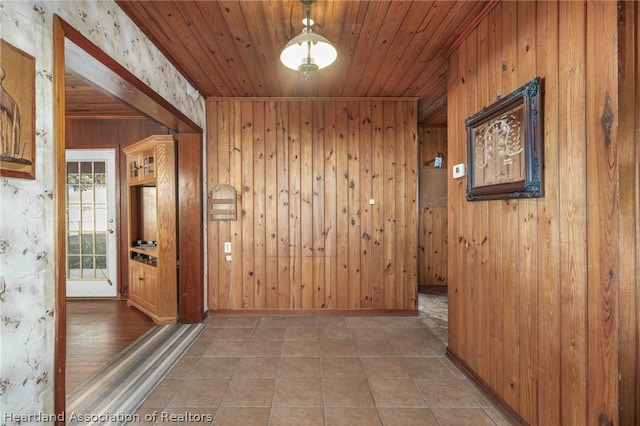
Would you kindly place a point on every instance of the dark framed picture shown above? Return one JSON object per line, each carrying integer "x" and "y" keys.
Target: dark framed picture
{"x": 17, "y": 112}
{"x": 504, "y": 147}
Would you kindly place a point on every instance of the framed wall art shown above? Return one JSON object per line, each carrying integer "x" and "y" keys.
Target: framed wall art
{"x": 17, "y": 112}
{"x": 504, "y": 147}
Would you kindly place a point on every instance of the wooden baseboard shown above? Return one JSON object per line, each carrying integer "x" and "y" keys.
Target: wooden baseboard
{"x": 313, "y": 312}
{"x": 509, "y": 413}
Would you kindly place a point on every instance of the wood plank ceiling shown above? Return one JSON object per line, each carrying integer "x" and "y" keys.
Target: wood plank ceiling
{"x": 385, "y": 48}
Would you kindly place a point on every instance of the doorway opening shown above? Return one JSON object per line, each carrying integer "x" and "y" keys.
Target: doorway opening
{"x": 74, "y": 53}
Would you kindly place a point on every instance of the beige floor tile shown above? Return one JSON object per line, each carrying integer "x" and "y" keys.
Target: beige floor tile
{"x": 298, "y": 393}
{"x": 183, "y": 367}
{"x": 235, "y": 333}
{"x": 241, "y": 322}
{"x": 344, "y": 416}
{"x": 301, "y": 333}
{"x": 248, "y": 392}
{"x": 396, "y": 393}
{"x": 214, "y": 368}
{"x": 325, "y": 371}
{"x": 368, "y": 333}
{"x": 199, "y": 393}
{"x": 297, "y": 416}
{"x": 258, "y": 367}
{"x": 407, "y": 417}
{"x": 300, "y": 348}
{"x": 299, "y": 368}
{"x": 374, "y": 348}
{"x": 411, "y": 347}
{"x": 269, "y": 333}
{"x": 341, "y": 367}
{"x": 462, "y": 417}
{"x": 425, "y": 368}
{"x": 386, "y": 366}
{"x": 334, "y": 333}
{"x": 309, "y": 321}
{"x": 228, "y": 348}
{"x": 337, "y": 347}
{"x": 163, "y": 394}
{"x": 331, "y": 322}
{"x": 263, "y": 348}
{"x": 445, "y": 392}
{"x": 347, "y": 393}
{"x": 268, "y": 322}
{"x": 245, "y": 416}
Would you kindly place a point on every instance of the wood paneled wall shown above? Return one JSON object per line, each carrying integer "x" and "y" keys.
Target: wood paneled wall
{"x": 306, "y": 236}
{"x": 534, "y": 285}
{"x": 432, "y": 230}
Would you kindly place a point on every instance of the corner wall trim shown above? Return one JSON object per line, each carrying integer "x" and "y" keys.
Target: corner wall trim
{"x": 486, "y": 390}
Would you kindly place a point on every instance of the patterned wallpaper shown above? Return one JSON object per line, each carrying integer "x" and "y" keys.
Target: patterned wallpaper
{"x": 27, "y": 252}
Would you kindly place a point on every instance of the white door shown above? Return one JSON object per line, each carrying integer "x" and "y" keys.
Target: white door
{"x": 91, "y": 223}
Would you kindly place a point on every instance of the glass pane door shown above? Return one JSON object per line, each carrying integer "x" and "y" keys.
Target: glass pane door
{"x": 90, "y": 220}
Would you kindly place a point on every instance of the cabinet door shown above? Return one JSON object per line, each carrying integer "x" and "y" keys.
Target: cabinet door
{"x": 134, "y": 168}
{"x": 150, "y": 290}
{"x": 136, "y": 280}
{"x": 148, "y": 165}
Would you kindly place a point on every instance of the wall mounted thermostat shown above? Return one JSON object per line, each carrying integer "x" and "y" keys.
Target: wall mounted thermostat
{"x": 459, "y": 171}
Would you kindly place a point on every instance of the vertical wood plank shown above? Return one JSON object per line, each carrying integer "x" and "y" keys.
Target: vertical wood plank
{"x": 401, "y": 200}
{"x": 318, "y": 179}
{"x": 226, "y": 120}
{"x": 330, "y": 205}
{"x": 629, "y": 169}
{"x": 528, "y": 229}
{"x": 410, "y": 115}
{"x": 247, "y": 249}
{"x": 342, "y": 214}
{"x": 495, "y": 212}
{"x": 454, "y": 211}
{"x": 548, "y": 361}
{"x": 259, "y": 203}
{"x": 306, "y": 205}
{"x": 354, "y": 212}
{"x": 377, "y": 209}
{"x": 295, "y": 241}
{"x": 365, "y": 133}
{"x": 571, "y": 176}
{"x": 389, "y": 210}
{"x": 271, "y": 204}
{"x": 213, "y": 228}
{"x": 282, "y": 141}
{"x": 510, "y": 235}
{"x": 602, "y": 212}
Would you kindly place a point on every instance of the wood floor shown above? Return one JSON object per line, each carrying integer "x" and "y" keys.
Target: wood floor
{"x": 97, "y": 330}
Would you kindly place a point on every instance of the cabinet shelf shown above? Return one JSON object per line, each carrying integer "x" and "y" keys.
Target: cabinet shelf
{"x": 152, "y": 215}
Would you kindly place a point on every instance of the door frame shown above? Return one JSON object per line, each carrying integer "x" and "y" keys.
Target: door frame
{"x": 95, "y": 66}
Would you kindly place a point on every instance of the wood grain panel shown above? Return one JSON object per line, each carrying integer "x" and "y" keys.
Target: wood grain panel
{"x": 629, "y": 159}
{"x": 534, "y": 284}
{"x": 603, "y": 214}
{"x": 306, "y": 170}
{"x": 548, "y": 368}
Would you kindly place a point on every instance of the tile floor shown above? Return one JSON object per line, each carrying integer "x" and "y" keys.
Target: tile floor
{"x": 321, "y": 371}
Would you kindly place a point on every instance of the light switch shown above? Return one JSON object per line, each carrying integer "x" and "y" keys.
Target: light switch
{"x": 459, "y": 171}
{"x": 227, "y": 247}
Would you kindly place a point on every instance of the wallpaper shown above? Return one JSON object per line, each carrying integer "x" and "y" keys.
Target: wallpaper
{"x": 27, "y": 252}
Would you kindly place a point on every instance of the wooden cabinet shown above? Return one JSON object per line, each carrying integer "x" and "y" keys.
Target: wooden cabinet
{"x": 152, "y": 257}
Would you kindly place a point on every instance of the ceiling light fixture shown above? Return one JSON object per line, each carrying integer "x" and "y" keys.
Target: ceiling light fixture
{"x": 308, "y": 52}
